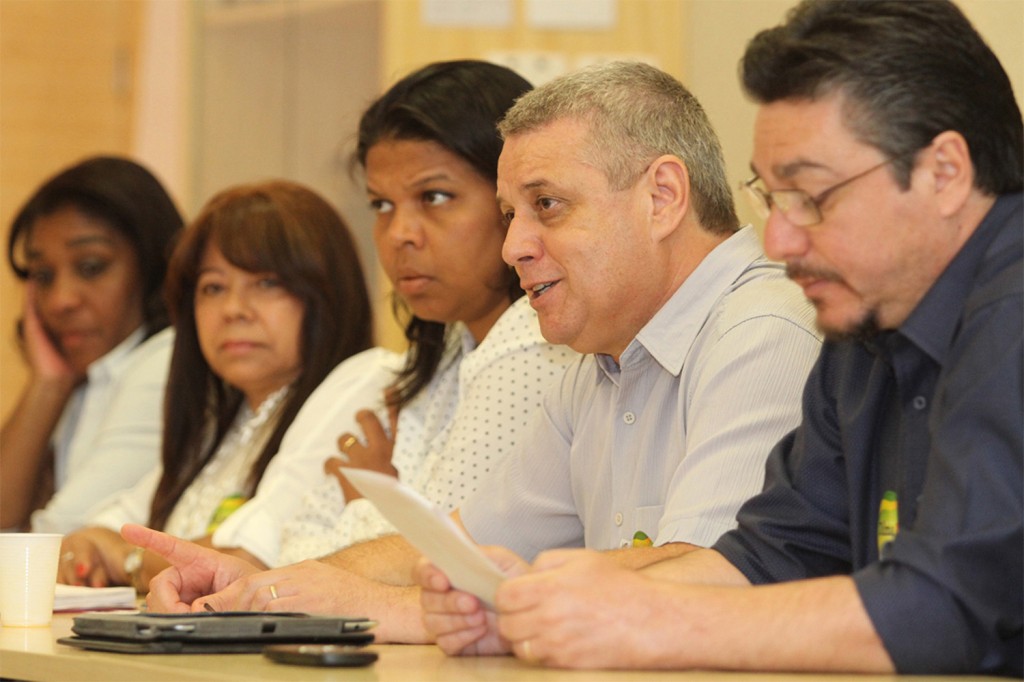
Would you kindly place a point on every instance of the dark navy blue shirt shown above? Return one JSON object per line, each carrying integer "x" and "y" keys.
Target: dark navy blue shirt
{"x": 934, "y": 414}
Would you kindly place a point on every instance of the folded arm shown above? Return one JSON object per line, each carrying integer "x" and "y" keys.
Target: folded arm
{"x": 578, "y": 609}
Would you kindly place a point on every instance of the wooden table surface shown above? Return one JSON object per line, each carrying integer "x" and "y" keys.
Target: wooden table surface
{"x": 34, "y": 654}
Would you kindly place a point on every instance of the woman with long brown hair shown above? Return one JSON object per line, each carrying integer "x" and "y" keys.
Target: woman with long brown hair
{"x": 267, "y": 295}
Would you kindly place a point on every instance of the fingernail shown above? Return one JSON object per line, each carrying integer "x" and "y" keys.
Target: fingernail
{"x": 80, "y": 570}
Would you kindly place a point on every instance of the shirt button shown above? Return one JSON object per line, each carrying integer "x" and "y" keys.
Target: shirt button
{"x": 618, "y": 518}
{"x": 629, "y": 417}
{"x": 920, "y": 402}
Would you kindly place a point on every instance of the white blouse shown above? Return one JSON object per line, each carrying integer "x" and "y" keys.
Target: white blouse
{"x": 255, "y": 527}
{"x": 109, "y": 434}
{"x": 468, "y": 418}
{"x": 222, "y": 485}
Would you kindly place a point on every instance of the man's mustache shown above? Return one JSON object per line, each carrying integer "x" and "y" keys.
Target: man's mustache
{"x": 796, "y": 270}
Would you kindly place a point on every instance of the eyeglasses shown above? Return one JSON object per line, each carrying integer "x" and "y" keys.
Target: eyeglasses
{"x": 799, "y": 207}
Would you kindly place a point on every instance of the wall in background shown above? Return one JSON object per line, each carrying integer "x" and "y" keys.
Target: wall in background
{"x": 67, "y": 86}
{"x": 189, "y": 87}
{"x": 278, "y": 89}
{"x": 524, "y": 35}
{"x": 717, "y": 36}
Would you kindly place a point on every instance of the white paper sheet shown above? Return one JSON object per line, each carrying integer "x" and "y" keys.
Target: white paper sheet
{"x": 431, "y": 531}
{"x": 75, "y": 598}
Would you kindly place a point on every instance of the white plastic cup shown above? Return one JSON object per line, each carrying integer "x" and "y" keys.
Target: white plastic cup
{"x": 28, "y": 577}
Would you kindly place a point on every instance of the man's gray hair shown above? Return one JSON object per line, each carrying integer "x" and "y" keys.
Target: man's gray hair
{"x": 636, "y": 113}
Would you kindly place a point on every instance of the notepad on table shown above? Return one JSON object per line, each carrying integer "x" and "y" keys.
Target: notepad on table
{"x": 77, "y": 598}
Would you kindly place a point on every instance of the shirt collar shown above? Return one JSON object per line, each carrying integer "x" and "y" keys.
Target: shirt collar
{"x": 109, "y": 365}
{"x": 457, "y": 342}
{"x": 932, "y": 324}
{"x": 668, "y": 335}
{"x": 468, "y": 343}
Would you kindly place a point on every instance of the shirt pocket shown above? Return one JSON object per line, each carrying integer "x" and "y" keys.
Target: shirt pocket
{"x": 646, "y": 525}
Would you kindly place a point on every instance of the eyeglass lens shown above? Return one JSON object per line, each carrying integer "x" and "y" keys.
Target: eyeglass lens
{"x": 795, "y": 204}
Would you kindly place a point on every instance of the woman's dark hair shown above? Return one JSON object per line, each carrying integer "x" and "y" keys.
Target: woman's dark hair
{"x": 457, "y": 105}
{"x": 277, "y": 227}
{"x": 907, "y": 70}
{"x": 123, "y": 195}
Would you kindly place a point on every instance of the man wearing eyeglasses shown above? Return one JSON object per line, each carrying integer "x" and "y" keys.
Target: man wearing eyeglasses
{"x": 888, "y": 161}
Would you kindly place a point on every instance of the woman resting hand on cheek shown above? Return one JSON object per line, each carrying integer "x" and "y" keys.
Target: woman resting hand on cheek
{"x": 91, "y": 244}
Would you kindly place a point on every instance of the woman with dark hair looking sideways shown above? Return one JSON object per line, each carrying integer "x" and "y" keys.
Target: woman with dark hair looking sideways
{"x": 477, "y": 365}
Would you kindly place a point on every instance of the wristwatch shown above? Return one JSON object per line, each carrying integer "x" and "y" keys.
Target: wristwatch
{"x": 133, "y": 566}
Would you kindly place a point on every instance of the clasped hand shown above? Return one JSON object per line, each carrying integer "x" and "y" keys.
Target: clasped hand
{"x": 551, "y": 613}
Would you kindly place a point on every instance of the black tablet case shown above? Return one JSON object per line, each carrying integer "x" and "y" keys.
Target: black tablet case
{"x": 228, "y": 632}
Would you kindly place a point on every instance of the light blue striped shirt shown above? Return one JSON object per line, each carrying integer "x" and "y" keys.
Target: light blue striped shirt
{"x": 673, "y": 439}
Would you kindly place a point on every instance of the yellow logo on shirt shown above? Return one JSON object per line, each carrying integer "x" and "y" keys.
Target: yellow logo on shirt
{"x": 228, "y": 506}
{"x": 888, "y": 519}
{"x": 640, "y": 539}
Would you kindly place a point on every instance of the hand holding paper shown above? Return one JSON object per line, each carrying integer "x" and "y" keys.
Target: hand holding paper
{"x": 431, "y": 531}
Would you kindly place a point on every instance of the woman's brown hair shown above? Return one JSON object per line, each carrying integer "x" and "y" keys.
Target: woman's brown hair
{"x": 278, "y": 227}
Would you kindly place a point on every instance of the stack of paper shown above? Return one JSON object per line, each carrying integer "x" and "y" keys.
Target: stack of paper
{"x": 74, "y": 598}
